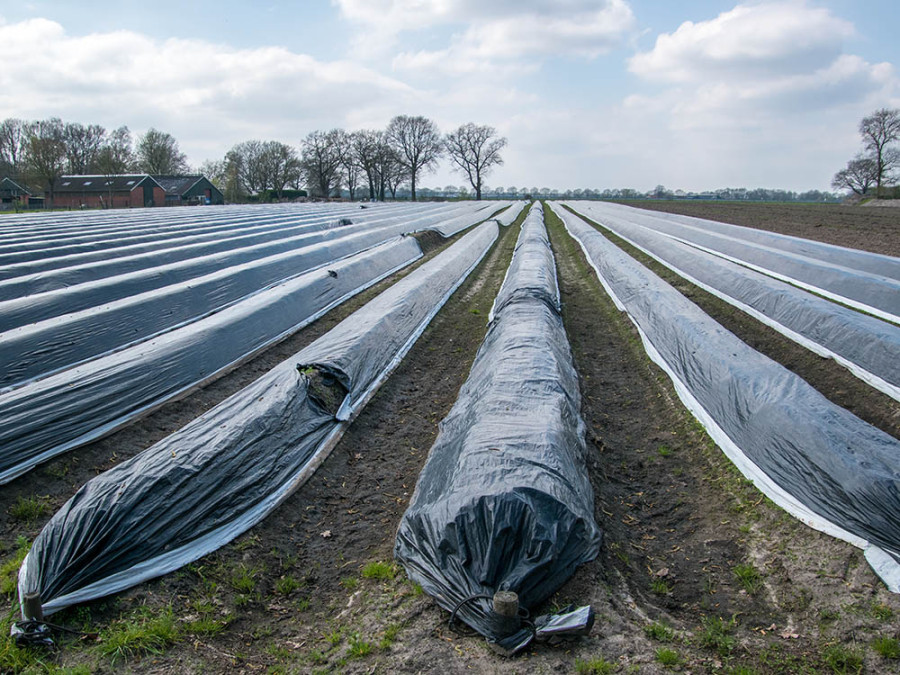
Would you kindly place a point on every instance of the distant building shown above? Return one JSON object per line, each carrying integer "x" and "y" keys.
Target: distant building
{"x": 120, "y": 191}
{"x": 194, "y": 189}
{"x": 15, "y": 194}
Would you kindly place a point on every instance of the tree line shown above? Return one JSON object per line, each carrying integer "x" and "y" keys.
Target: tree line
{"x": 374, "y": 162}
{"x": 371, "y": 162}
{"x": 877, "y": 165}
{"x": 39, "y": 152}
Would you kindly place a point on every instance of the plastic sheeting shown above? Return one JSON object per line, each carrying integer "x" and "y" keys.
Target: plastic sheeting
{"x": 509, "y": 216}
{"x": 61, "y": 341}
{"x": 204, "y": 485}
{"x": 868, "y": 347}
{"x": 49, "y": 416}
{"x": 815, "y": 459}
{"x": 864, "y": 261}
{"x": 86, "y": 285}
{"x": 867, "y": 291}
{"x": 504, "y": 501}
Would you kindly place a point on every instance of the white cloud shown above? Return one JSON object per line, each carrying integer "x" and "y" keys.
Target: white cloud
{"x": 208, "y": 95}
{"x": 486, "y": 32}
{"x": 758, "y": 63}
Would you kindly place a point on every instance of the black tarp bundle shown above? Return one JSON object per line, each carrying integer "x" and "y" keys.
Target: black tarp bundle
{"x": 199, "y": 488}
{"x": 504, "y": 501}
{"x": 813, "y": 458}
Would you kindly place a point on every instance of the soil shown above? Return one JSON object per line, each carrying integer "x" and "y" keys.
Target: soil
{"x": 698, "y": 571}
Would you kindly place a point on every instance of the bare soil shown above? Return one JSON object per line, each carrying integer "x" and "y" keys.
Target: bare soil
{"x": 698, "y": 572}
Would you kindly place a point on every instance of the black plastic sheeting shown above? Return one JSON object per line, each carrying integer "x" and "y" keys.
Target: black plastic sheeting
{"x": 868, "y": 347}
{"x": 871, "y": 292}
{"x": 504, "y": 501}
{"x": 204, "y": 485}
{"x": 49, "y": 416}
{"x": 815, "y": 459}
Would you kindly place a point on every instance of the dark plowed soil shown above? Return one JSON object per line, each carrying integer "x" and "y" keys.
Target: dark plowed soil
{"x": 698, "y": 572}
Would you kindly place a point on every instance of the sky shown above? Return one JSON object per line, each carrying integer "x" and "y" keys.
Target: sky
{"x": 693, "y": 94}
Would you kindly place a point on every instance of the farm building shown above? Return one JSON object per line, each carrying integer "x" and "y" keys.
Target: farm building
{"x": 120, "y": 191}
{"x": 14, "y": 193}
{"x": 195, "y": 189}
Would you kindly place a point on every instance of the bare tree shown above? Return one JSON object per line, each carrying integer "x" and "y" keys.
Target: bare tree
{"x": 417, "y": 144}
{"x": 158, "y": 154}
{"x": 859, "y": 175}
{"x": 83, "y": 145}
{"x": 879, "y": 130}
{"x": 281, "y": 166}
{"x": 321, "y": 162}
{"x": 116, "y": 155}
{"x": 350, "y": 166}
{"x": 45, "y": 153}
{"x": 12, "y": 146}
{"x": 475, "y": 150}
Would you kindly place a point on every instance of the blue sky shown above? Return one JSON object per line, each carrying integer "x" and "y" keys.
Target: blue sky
{"x": 696, "y": 94}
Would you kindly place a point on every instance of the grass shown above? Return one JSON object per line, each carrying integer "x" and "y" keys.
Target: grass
{"x": 667, "y": 657}
{"x": 597, "y": 666}
{"x": 749, "y": 577}
{"x": 664, "y": 451}
{"x": 243, "y": 579}
{"x": 882, "y": 612}
{"x": 379, "y": 570}
{"x": 350, "y": 583}
{"x": 9, "y": 571}
{"x": 660, "y": 587}
{"x": 29, "y": 509}
{"x": 716, "y": 634}
{"x": 205, "y": 626}
{"x": 287, "y": 585}
{"x": 659, "y": 631}
{"x": 887, "y": 647}
{"x": 359, "y": 647}
{"x": 390, "y": 636}
{"x": 143, "y": 633}
{"x": 843, "y": 660}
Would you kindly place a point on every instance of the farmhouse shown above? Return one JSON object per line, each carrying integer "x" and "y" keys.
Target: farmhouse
{"x": 195, "y": 189}
{"x": 120, "y": 191}
{"x": 14, "y": 193}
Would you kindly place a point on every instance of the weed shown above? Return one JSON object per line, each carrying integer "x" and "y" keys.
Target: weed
{"x": 664, "y": 451}
{"x": 659, "y": 631}
{"x": 205, "y": 626}
{"x": 843, "y": 660}
{"x": 29, "y": 509}
{"x": 248, "y": 542}
{"x": 390, "y": 636}
{"x": 887, "y": 647}
{"x": 334, "y": 637}
{"x": 717, "y": 634}
{"x": 359, "y": 647}
{"x": 287, "y": 585}
{"x": 10, "y": 569}
{"x": 828, "y": 615}
{"x": 142, "y": 633}
{"x": 667, "y": 657}
{"x": 740, "y": 670}
{"x": 749, "y": 577}
{"x": 597, "y": 666}
{"x": 302, "y": 605}
{"x": 243, "y": 579}
{"x": 350, "y": 583}
{"x": 882, "y": 612}
{"x": 660, "y": 587}
{"x": 379, "y": 570}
